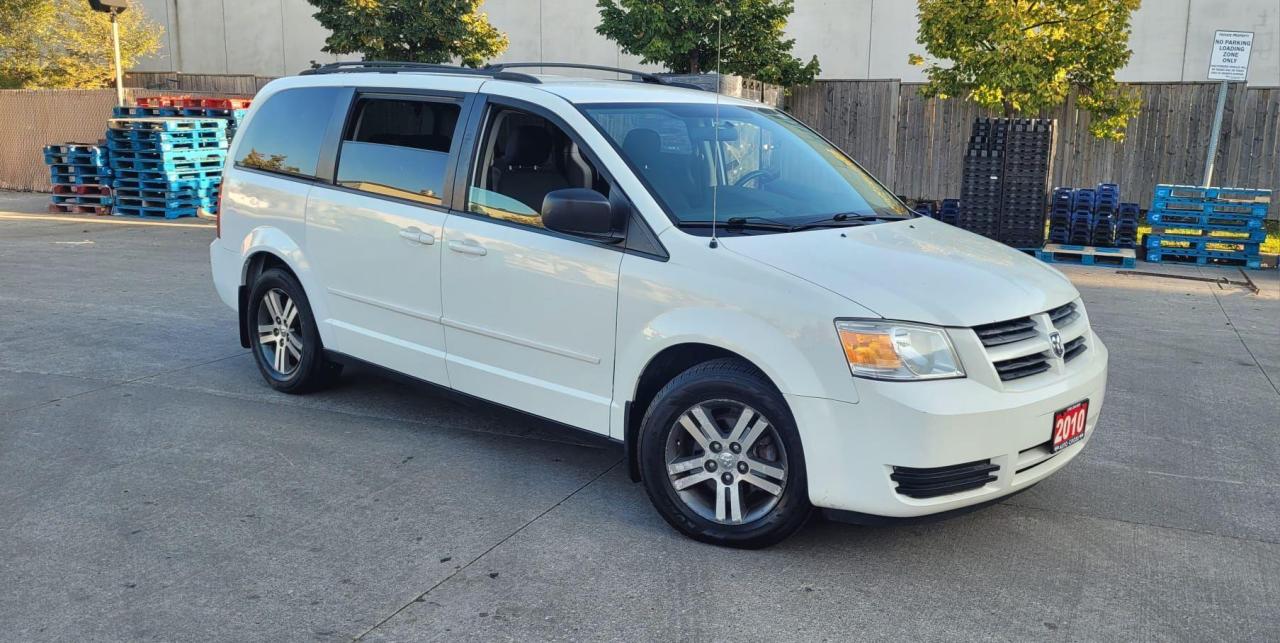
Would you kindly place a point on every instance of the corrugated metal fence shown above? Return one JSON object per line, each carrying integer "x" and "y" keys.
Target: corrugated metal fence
{"x": 915, "y": 145}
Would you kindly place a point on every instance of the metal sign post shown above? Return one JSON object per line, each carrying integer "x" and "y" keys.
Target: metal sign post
{"x": 115, "y": 37}
{"x": 1229, "y": 62}
{"x": 115, "y": 8}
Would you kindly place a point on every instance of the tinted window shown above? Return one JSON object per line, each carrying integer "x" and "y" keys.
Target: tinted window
{"x": 287, "y": 130}
{"x": 398, "y": 148}
{"x": 522, "y": 158}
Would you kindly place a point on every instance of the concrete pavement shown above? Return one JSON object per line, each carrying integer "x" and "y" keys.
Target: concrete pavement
{"x": 152, "y": 488}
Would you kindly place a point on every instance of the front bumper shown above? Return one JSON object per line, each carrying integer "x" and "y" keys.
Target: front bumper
{"x": 851, "y": 449}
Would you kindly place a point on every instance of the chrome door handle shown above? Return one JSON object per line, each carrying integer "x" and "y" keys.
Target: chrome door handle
{"x": 468, "y": 248}
{"x": 412, "y": 234}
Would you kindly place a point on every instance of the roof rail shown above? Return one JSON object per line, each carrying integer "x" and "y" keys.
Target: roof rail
{"x": 644, "y": 77}
{"x": 393, "y": 67}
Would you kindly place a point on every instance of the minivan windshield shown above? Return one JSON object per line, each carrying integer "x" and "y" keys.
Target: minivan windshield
{"x": 768, "y": 169}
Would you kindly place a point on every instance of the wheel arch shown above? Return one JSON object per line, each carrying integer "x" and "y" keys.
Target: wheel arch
{"x": 265, "y": 248}
{"x": 664, "y": 366}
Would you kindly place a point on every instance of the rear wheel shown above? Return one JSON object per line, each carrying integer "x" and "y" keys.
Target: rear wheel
{"x": 721, "y": 459}
{"x": 286, "y": 344}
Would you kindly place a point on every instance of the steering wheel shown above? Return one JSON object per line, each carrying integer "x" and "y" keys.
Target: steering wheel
{"x": 753, "y": 175}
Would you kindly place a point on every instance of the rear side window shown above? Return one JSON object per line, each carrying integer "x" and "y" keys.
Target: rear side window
{"x": 399, "y": 148}
{"x": 287, "y": 131}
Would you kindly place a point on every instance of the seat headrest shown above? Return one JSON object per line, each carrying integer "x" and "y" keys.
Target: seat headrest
{"x": 527, "y": 145}
{"x": 642, "y": 145}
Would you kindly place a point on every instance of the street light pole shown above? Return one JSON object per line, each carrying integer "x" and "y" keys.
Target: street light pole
{"x": 115, "y": 38}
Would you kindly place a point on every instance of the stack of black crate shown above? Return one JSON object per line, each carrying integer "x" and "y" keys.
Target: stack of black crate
{"x": 1004, "y": 195}
{"x": 980, "y": 192}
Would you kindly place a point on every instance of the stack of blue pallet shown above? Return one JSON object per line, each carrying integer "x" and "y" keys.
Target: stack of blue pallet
{"x": 166, "y": 166}
{"x": 81, "y": 177}
{"x": 1207, "y": 225}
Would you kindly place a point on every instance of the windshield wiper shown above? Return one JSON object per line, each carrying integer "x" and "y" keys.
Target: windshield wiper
{"x": 740, "y": 223}
{"x": 838, "y": 220}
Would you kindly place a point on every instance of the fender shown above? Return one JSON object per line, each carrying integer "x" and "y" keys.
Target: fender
{"x": 792, "y": 363}
{"x": 274, "y": 241}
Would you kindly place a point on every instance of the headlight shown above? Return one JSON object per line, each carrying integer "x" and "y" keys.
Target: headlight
{"x": 898, "y": 351}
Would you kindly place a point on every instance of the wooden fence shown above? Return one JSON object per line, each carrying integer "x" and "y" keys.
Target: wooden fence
{"x": 239, "y": 84}
{"x": 916, "y": 145}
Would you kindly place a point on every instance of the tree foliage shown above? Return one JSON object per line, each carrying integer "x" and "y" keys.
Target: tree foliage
{"x": 1023, "y": 56}
{"x": 681, "y": 34}
{"x": 65, "y": 44}
{"x": 429, "y": 31}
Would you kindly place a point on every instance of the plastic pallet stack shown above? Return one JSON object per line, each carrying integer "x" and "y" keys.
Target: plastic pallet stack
{"x": 1126, "y": 235}
{"x": 1081, "y": 222}
{"x": 1207, "y": 225}
{"x": 167, "y": 166}
{"x": 1006, "y": 179}
{"x": 983, "y": 177}
{"x": 230, "y": 109}
{"x": 1106, "y": 205}
{"x": 1093, "y": 217}
{"x": 81, "y": 177}
{"x": 1028, "y": 145}
{"x": 950, "y": 211}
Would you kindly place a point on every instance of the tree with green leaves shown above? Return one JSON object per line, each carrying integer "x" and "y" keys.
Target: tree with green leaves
{"x": 1023, "y": 56}
{"x": 428, "y": 31}
{"x": 682, "y": 35}
{"x": 62, "y": 44}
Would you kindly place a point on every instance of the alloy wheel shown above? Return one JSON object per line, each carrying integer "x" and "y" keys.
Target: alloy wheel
{"x": 279, "y": 332}
{"x": 726, "y": 462}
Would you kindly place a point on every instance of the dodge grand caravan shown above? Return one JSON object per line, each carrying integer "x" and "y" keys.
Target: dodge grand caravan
{"x": 763, "y": 326}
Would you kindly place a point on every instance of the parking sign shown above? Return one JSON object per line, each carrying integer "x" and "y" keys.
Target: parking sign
{"x": 1230, "y": 59}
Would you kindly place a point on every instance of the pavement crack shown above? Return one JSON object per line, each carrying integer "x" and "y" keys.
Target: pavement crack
{"x": 1240, "y": 337}
{"x": 421, "y": 597}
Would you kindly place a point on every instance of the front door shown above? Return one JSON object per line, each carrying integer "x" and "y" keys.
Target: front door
{"x": 529, "y": 314}
{"x": 376, "y": 235}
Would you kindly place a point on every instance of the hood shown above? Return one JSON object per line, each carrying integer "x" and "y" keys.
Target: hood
{"x": 915, "y": 270}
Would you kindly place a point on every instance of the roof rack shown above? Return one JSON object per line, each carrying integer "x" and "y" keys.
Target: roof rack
{"x": 392, "y": 67}
{"x": 497, "y": 71}
{"x": 644, "y": 77}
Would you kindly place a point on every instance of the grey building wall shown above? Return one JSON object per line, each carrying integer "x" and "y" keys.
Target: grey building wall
{"x": 852, "y": 38}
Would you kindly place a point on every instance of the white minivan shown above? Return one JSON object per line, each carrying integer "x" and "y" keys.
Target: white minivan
{"x": 763, "y": 326}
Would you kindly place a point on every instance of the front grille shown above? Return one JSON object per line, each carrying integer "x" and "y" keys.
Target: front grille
{"x": 1026, "y": 328}
{"x": 1063, "y": 315}
{"x": 1073, "y": 348}
{"x": 1006, "y": 332}
{"x": 940, "y": 481}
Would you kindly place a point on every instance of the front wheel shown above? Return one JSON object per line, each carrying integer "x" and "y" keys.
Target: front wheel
{"x": 286, "y": 344}
{"x": 721, "y": 458}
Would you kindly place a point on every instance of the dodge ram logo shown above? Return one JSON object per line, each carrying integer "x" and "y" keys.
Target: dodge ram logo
{"x": 1055, "y": 338}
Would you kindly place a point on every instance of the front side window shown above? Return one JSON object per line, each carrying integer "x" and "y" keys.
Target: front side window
{"x": 286, "y": 132}
{"x": 398, "y": 148}
{"x": 522, "y": 158}
{"x": 756, "y": 164}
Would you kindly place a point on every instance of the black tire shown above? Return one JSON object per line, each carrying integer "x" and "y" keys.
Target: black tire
{"x": 312, "y": 371}
{"x": 715, "y": 381}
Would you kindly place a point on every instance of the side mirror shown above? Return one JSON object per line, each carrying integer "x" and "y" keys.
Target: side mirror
{"x": 582, "y": 212}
